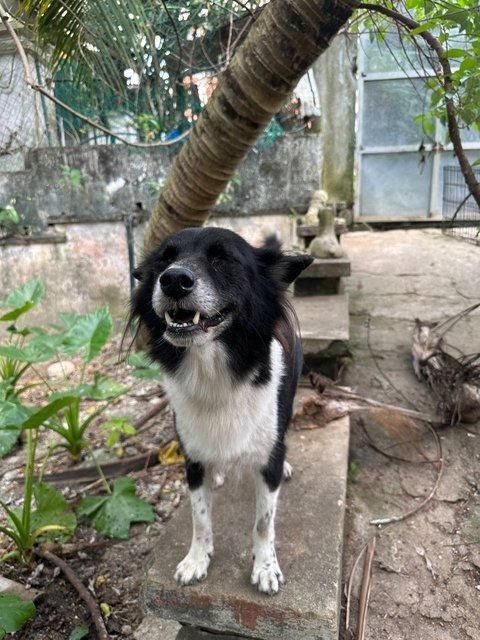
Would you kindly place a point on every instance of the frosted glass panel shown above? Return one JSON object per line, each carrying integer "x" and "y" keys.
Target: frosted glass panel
{"x": 390, "y": 54}
{"x": 389, "y": 112}
{"x": 395, "y": 185}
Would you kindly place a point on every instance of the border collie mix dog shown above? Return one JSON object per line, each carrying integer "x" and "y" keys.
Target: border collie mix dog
{"x": 217, "y": 321}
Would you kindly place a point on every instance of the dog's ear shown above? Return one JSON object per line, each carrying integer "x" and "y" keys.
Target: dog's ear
{"x": 138, "y": 273}
{"x": 290, "y": 267}
{"x": 280, "y": 266}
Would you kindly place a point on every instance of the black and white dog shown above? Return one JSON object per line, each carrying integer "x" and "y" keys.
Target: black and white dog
{"x": 217, "y": 319}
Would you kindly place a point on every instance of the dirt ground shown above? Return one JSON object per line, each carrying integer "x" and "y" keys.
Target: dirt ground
{"x": 111, "y": 569}
{"x": 426, "y": 571}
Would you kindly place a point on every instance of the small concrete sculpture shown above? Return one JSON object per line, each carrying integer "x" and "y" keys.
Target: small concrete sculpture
{"x": 319, "y": 199}
{"x": 326, "y": 245}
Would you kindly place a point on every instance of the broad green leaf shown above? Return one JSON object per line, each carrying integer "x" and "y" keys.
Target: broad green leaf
{"x": 12, "y": 417}
{"x": 89, "y": 332}
{"x": 426, "y": 26}
{"x": 456, "y": 53}
{"x": 9, "y": 214}
{"x": 51, "y": 510}
{"x": 39, "y": 417}
{"x": 468, "y": 63}
{"x": 476, "y": 163}
{"x": 145, "y": 368}
{"x": 103, "y": 388}
{"x": 115, "y": 427}
{"x": 79, "y": 632}
{"x": 40, "y": 348}
{"x": 14, "y": 612}
{"x": 112, "y": 515}
{"x": 23, "y": 299}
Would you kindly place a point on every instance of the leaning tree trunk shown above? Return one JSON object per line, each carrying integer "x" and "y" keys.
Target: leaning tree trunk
{"x": 286, "y": 39}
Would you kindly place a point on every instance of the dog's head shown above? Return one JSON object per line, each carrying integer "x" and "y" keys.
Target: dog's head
{"x": 199, "y": 281}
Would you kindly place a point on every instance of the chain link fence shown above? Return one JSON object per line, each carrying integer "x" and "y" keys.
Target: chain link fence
{"x": 461, "y": 214}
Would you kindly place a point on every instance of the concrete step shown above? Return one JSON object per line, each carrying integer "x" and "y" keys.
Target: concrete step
{"x": 323, "y": 320}
{"x": 327, "y": 268}
{"x": 322, "y": 277}
{"x": 325, "y": 330}
{"x": 309, "y": 546}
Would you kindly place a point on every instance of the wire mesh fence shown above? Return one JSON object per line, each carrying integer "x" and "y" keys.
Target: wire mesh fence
{"x": 461, "y": 214}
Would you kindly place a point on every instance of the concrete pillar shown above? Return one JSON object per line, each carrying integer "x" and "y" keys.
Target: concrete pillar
{"x": 334, "y": 74}
{"x": 26, "y": 118}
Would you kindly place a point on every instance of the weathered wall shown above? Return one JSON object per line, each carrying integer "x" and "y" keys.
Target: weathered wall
{"x": 334, "y": 73}
{"x": 116, "y": 180}
{"x": 88, "y": 264}
{"x": 25, "y": 117}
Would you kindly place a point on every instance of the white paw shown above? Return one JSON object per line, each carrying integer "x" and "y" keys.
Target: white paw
{"x": 267, "y": 576}
{"x": 287, "y": 471}
{"x": 193, "y": 568}
{"x": 218, "y": 480}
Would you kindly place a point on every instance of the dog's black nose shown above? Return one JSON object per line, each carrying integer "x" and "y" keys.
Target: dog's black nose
{"x": 177, "y": 282}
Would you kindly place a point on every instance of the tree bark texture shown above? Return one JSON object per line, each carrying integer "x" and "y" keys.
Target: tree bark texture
{"x": 283, "y": 43}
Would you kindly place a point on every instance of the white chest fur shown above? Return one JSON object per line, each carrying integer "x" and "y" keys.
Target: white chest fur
{"x": 220, "y": 421}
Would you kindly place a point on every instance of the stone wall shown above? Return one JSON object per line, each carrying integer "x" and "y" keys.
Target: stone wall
{"x": 26, "y": 118}
{"x": 77, "y": 240}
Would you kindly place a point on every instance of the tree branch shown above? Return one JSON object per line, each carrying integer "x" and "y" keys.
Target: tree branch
{"x": 453, "y": 128}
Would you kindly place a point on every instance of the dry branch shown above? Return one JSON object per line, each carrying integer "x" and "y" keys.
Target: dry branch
{"x": 453, "y": 379}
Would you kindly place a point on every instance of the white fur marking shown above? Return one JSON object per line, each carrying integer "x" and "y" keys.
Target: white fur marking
{"x": 193, "y": 568}
{"x": 223, "y": 422}
{"x": 266, "y": 573}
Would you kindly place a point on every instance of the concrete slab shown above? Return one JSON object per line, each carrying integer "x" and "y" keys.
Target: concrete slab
{"x": 309, "y": 547}
{"x": 327, "y": 268}
{"x": 323, "y": 320}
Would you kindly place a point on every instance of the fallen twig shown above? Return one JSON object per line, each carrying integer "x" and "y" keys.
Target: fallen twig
{"x": 81, "y": 589}
{"x": 349, "y": 586}
{"x": 329, "y": 389}
{"x": 141, "y": 423}
{"x": 365, "y": 589}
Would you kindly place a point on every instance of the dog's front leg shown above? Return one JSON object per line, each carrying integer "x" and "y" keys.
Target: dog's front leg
{"x": 266, "y": 572}
{"x": 193, "y": 567}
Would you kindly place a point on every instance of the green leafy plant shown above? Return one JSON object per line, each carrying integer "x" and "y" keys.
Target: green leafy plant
{"x": 50, "y": 517}
{"x": 71, "y": 177}
{"x": 112, "y": 515}
{"x": 71, "y": 426}
{"x": 154, "y": 186}
{"x": 9, "y": 219}
{"x": 14, "y": 612}
{"x": 228, "y": 193}
{"x": 116, "y": 427}
{"x": 79, "y": 632}
{"x": 145, "y": 368}
{"x": 149, "y": 127}
{"x": 19, "y": 302}
{"x": 27, "y": 346}
{"x": 12, "y": 416}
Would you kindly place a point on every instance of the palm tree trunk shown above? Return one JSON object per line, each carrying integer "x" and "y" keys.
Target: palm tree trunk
{"x": 284, "y": 42}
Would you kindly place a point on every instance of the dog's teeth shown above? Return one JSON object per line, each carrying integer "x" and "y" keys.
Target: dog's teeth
{"x": 168, "y": 319}
{"x": 196, "y": 318}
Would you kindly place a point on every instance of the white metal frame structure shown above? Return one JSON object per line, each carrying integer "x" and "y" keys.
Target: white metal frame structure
{"x": 399, "y": 169}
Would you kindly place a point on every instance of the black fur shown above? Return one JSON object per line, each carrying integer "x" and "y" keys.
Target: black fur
{"x": 252, "y": 281}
